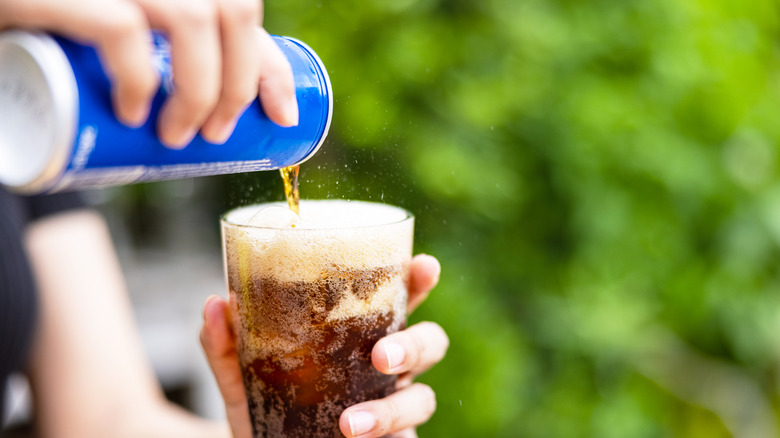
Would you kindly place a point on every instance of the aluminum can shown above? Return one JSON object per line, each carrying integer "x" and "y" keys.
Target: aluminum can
{"x": 58, "y": 130}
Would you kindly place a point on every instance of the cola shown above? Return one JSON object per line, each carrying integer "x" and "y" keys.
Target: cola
{"x": 310, "y": 297}
{"x": 291, "y": 191}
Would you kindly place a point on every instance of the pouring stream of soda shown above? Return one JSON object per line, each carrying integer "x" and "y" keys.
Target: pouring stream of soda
{"x": 290, "y": 178}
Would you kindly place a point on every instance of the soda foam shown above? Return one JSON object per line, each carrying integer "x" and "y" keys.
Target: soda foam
{"x": 319, "y": 215}
{"x": 349, "y": 234}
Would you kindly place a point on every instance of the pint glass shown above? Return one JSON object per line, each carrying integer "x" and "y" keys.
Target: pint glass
{"x": 309, "y": 299}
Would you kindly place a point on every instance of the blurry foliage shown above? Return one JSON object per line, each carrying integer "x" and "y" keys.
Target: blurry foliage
{"x": 600, "y": 181}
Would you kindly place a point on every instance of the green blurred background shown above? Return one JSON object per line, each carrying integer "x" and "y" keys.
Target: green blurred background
{"x": 600, "y": 182}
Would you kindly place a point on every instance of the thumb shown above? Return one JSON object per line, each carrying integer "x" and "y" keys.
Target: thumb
{"x": 219, "y": 344}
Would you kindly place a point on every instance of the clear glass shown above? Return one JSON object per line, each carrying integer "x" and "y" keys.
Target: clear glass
{"x": 308, "y": 306}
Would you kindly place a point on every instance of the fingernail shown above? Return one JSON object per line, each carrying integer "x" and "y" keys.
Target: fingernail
{"x": 360, "y": 422}
{"x": 134, "y": 116}
{"x": 395, "y": 355}
{"x": 433, "y": 259}
{"x": 220, "y": 132}
{"x": 179, "y": 139}
{"x": 206, "y": 305}
{"x": 291, "y": 112}
{"x": 139, "y": 115}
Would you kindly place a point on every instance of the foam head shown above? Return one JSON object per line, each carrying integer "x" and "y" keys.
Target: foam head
{"x": 330, "y": 214}
{"x": 348, "y": 234}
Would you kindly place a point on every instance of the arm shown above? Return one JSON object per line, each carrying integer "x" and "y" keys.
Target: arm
{"x": 89, "y": 374}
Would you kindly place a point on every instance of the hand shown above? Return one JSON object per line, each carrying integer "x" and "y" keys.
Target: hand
{"x": 407, "y": 353}
{"x": 221, "y": 59}
{"x": 421, "y": 346}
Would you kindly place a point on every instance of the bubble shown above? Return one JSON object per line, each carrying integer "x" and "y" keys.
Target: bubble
{"x": 274, "y": 217}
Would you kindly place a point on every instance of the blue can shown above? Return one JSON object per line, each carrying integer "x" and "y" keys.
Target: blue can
{"x": 58, "y": 130}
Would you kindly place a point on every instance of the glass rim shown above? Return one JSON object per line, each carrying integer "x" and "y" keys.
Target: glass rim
{"x": 409, "y": 216}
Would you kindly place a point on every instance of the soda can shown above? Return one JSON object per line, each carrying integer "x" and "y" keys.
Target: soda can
{"x": 58, "y": 130}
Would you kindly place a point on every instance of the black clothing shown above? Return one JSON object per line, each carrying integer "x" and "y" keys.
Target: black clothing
{"x": 18, "y": 298}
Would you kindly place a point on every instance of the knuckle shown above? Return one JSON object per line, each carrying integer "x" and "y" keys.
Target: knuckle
{"x": 234, "y": 98}
{"x": 233, "y": 380}
{"x": 196, "y": 13}
{"x": 391, "y": 417}
{"x": 429, "y": 399}
{"x": 240, "y": 11}
{"x": 126, "y": 22}
{"x": 433, "y": 334}
{"x": 198, "y": 100}
{"x": 419, "y": 339}
{"x": 277, "y": 65}
{"x": 406, "y": 433}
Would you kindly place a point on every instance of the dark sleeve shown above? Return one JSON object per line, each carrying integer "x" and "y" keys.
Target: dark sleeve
{"x": 18, "y": 297}
{"x": 17, "y": 290}
{"x": 44, "y": 205}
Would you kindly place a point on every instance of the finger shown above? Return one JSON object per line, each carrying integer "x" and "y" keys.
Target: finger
{"x": 413, "y": 350}
{"x": 406, "y": 408}
{"x": 193, "y": 30}
{"x": 240, "y": 67}
{"x": 406, "y": 433}
{"x": 277, "y": 87}
{"x": 216, "y": 337}
{"x": 127, "y": 55}
{"x": 120, "y": 32}
{"x": 424, "y": 275}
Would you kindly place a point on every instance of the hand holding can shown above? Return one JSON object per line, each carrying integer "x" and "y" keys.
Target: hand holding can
{"x": 221, "y": 58}
{"x": 58, "y": 132}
